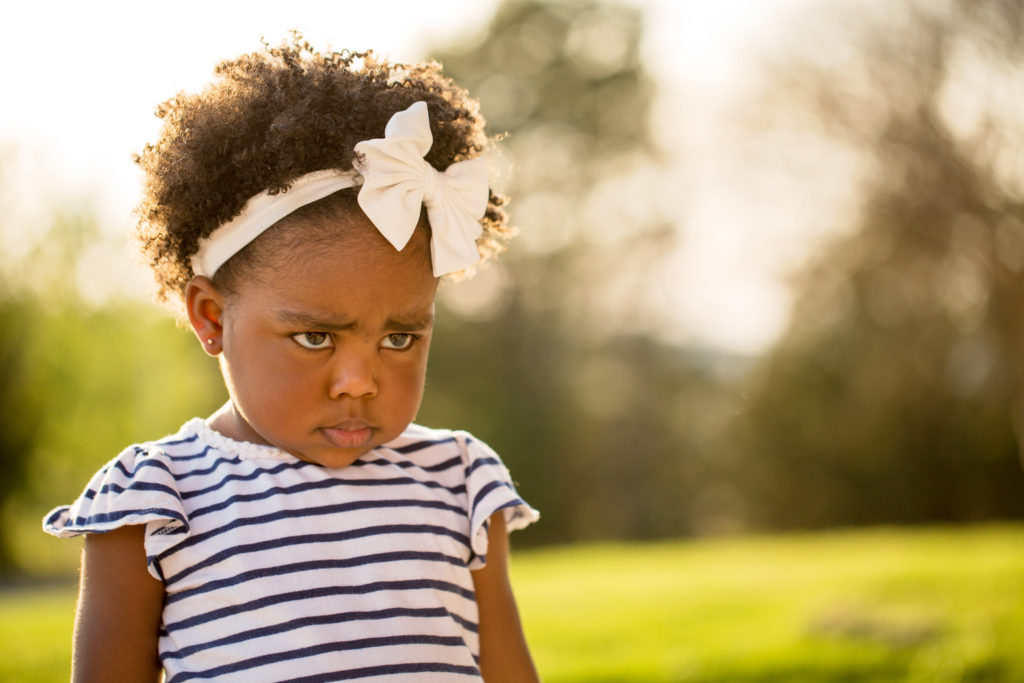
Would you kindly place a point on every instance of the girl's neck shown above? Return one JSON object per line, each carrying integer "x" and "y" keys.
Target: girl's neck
{"x": 228, "y": 422}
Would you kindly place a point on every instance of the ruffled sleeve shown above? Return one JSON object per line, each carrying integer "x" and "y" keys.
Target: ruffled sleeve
{"x": 489, "y": 488}
{"x": 136, "y": 487}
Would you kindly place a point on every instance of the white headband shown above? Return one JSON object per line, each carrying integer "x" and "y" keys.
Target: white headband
{"x": 396, "y": 181}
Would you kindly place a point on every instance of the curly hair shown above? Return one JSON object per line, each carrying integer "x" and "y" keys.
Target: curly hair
{"x": 269, "y": 117}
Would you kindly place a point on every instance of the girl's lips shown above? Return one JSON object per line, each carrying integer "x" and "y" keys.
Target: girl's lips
{"x": 348, "y": 435}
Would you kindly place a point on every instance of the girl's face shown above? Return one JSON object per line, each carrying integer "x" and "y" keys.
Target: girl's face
{"x": 324, "y": 353}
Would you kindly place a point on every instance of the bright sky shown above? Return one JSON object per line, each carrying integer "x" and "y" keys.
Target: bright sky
{"x": 62, "y": 59}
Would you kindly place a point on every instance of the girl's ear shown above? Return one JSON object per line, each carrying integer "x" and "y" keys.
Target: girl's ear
{"x": 205, "y": 306}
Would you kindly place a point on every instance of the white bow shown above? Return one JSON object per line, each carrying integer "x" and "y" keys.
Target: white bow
{"x": 397, "y": 181}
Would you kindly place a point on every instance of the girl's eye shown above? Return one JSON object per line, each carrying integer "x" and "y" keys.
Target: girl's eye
{"x": 400, "y": 341}
{"x": 313, "y": 340}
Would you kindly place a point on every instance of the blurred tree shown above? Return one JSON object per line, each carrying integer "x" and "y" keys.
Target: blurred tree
{"x": 23, "y": 401}
{"x": 19, "y": 410}
{"x": 78, "y": 381}
{"x": 548, "y": 353}
{"x": 896, "y": 393}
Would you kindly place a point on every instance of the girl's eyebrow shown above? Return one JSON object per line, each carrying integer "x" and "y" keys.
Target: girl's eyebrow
{"x": 412, "y": 324}
{"x": 307, "y": 321}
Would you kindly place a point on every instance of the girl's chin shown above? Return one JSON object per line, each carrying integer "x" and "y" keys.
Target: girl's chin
{"x": 332, "y": 458}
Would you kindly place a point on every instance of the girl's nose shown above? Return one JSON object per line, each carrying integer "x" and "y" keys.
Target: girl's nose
{"x": 353, "y": 375}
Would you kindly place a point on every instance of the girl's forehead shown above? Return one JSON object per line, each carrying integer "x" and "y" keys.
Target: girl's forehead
{"x": 342, "y": 271}
{"x": 343, "y": 231}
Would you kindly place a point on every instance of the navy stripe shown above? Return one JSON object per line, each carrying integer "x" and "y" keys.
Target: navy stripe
{"x": 269, "y": 471}
{"x": 191, "y": 456}
{"x": 175, "y": 442}
{"x": 134, "y": 486}
{"x": 315, "y": 486}
{"x": 465, "y": 623}
{"x": 480, "y": 462}
{"x": 446, "y": 465}
{"x": 315, "y": 593}
{"x": 296, "y": 567}
{"x": 409, "y": 464}
{"x": 304, "y": 539}
{"x": 364, "y": 672}
{"x": 518, "y": 502}
{"x": 418, "y": 446}
{"x": 316, "y": 511}
{"x": 302, "y": 622}
{"x": 209, "y": 470}
{"x": 83, "y": 524}
{"x": 139, "y": 464}
{"x": 157, "y": 569}
{"x": 388, "y": 670}
{"x": 486, "y": 490}
{"x": 55, "y": 515}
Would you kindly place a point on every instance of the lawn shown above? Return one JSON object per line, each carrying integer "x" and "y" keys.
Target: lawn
{"x": 869, "y": 605}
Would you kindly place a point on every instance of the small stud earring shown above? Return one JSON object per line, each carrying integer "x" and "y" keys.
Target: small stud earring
{"x": 210, "y": 341}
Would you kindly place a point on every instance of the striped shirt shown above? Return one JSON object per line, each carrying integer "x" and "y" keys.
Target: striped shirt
{"x": 276, "y": 569}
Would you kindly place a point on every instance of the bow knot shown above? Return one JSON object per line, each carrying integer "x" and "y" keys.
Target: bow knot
{"x": 431, "y": 184}
{"x": 397, "y": 180}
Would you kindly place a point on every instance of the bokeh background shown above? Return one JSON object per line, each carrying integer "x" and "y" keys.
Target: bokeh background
{"x": 770, "y": 280}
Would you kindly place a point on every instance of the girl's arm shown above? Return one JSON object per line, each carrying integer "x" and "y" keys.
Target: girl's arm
{"x": 119, "y": 606}
{"x": 504, "y": 655}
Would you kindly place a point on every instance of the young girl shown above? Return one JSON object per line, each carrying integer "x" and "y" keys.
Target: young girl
{"x": 299, "y": 212}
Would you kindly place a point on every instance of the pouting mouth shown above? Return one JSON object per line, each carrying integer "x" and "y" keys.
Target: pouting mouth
{"x": 348, "y": 434}
{"x": 349, "y": 425}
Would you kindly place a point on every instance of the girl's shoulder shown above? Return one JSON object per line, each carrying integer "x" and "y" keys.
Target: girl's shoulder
{"x": 190, "y": 438}
{"x": 187, "y": 441}
{"x": 467, "y": 464}
{"x": 417, "y": 433}
{"x": 427, "y": 441}
{"x": 175, "y": 455}
{"x": 138, "y": 486}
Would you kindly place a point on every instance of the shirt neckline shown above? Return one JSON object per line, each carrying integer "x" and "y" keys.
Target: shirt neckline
{"x": 243, "y": 449}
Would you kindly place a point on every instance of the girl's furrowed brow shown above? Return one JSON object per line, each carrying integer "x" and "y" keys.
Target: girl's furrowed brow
{"x": 412, "y": 324}
{"x": 307, "y": 321}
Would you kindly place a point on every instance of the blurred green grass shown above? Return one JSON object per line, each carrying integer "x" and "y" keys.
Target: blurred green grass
{"x": 934, "y": 604}
{"x": 35, "y": 633}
